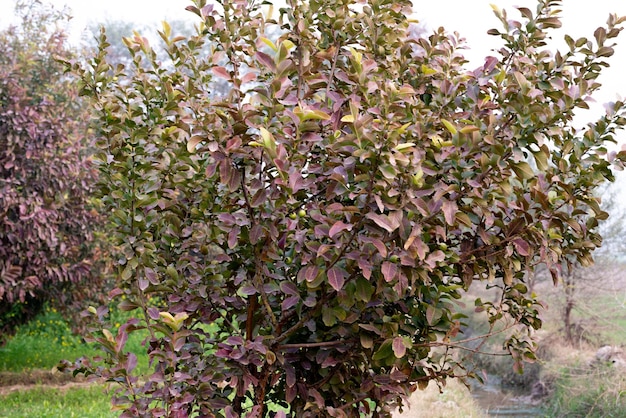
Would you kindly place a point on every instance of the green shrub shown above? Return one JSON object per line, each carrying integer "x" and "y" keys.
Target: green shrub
{"x": 307, "y": 235}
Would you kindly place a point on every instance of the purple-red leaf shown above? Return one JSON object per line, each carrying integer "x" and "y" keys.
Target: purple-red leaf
{"x": 389, "y": 270}
{"x": 290, "y": 302}
{"x": 383, "y": 221}
{"x": 336, "y": 278}
{"x": 366, "y": 267}
{"x": 288, "y": 288}
{"x": 256, "y": 233}
{"x": 221, "y": 72}
{"x": 266, "y": 60}
{"x": 151, "y": 275}
{"x": 434, "y": 258}
{"x": 338, "y": 227}
{"x": 449, "y": 209}
{"x": 290, "y": 375}
{"x": 258, "y": 198}
{"x": 248, "y": 290}
{"x": 309, "y": 273}
{"x": 131, "y": 362}
{"x": 399, "y": 349}
{"x": 380, "y": 246}
{"x": 522, "y": 247}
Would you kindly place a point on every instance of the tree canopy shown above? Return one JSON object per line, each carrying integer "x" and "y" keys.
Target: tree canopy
{"x": 301, "y": 246}
{"x": 47, "y": 248}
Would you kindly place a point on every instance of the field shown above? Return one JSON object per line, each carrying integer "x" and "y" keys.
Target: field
{"x": 30, "y": 386}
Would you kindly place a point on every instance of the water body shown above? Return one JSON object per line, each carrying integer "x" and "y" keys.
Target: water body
{"x": 499, "y": 401}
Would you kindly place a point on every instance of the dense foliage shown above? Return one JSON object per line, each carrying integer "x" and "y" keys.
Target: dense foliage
{"x": 46, "y": 178}
{"x": 301, "y": 245}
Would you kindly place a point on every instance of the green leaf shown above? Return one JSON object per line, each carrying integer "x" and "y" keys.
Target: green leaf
{"x": 384, "y": 351}
{"x": 269, "y": 43}
{"x": 449, "y": 126}
{"x": 328, "y": 317}
{"x": 388, "y": 171}
{"x": 364, "y": 290}
{"x": 269, "y": 143}
{"x": 127, "y": 273}
{"x": 541, "y": 158}
{"x": 310, "y": 114}
{"x": 405, "y": 146}
{"x": 523, "y": 170}
{"x": 426, "y": 70}
{"x": 367, "y": 341}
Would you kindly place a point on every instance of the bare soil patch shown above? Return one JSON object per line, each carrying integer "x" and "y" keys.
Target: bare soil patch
{"x": 12, "y": 381}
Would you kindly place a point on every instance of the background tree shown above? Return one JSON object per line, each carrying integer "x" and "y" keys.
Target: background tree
{"x": 46, "y": 176}
{"x": 582, "y": 286}
{"x": 117, "y": 30}
{"x": 117, "y": 52}
{"x": 301, "y": 243}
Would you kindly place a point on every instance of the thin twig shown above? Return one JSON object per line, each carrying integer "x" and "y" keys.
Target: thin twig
{"x": 259, "y": 284}
{"x": 312, "y": 345}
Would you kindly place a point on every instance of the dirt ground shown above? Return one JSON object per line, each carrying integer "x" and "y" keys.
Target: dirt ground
{"x": 11, "y": 382}
{"x": 455, "y": 402}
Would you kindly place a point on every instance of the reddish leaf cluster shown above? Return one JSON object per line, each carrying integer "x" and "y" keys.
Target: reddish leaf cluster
{"x": 46, "y": 178}
{"x": 302, "y": 241}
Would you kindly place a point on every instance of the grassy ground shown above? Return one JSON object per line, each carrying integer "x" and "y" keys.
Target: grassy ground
{"x": 83, "y": 402}
{"x": 29, "y": 387}
{"x": 44, "y": 342}
{"x": 41, "y": 344}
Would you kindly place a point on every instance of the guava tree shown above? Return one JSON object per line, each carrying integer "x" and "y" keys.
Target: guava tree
{"x": 300, "y": 247}
{"x": 47, "y": 247}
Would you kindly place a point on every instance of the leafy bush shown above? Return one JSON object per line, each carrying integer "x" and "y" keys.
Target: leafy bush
{"x": 308, "y": 235}
{"x": 46, "y": 177}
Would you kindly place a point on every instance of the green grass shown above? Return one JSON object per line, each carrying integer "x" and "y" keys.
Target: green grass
{"x": 88, "y": 402}
{"x": 589, "y": 393}
{"x": 45, "y": 341}
{"x": 611, "y": 322}
{"x": 41, "y": 345}
{"x": 602, "y": 317}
